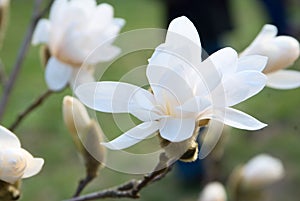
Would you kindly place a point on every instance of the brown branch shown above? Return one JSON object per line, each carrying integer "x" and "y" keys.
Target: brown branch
{"x": 82, "y": 184}
{"x": 36, "y": 16}
{"x": 29, "y": 109}
{"x": 131, "y": 189}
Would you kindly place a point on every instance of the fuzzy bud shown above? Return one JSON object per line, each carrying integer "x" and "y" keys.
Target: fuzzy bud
{"x": 213, "y": 191}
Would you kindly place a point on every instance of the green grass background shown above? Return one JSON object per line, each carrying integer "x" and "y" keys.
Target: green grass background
{"x": 44, "y": 134}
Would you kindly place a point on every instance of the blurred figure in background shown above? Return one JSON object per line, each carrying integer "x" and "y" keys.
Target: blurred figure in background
{"x": 277, "y": 11}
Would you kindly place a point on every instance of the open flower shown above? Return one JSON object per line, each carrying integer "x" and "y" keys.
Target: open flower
{"x": 77, "y": 31}
{"x": 185, "y": 90}
{"x": 213, "y": 191}
{"x": 282, "y": 52}
{"x": 260, "y": 171}
{"x": 16, "y": 163}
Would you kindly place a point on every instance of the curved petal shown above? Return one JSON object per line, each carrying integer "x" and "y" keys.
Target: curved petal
{"x": 165, "y": 90}
{"x": 284, "y": 79}
{"x": 241, "y": 120}
{"x": 41, "y": 32}
{"x": 57, "y": 74}
{"x": 267, "y": 32}
{"x": 241, "y": 86}
{"x": 183, "y": 27}
{"x": 177, "y": 130}
{"x": 195, "y": 105}
{"x": 113, "y": 97}
{"x": 7, "y": 138}
{"x": 102, "y": 53}
{"x": 81, "y": 76}
{"x": 225, "y": 60}
{"x": 33, "y": 165}
{"x": 252, "y": 62}
{"x": 133, "y": 136}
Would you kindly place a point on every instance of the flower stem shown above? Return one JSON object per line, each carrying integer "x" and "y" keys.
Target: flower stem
{"x": 29, "y": 109}
{"x": 36, "y": 16}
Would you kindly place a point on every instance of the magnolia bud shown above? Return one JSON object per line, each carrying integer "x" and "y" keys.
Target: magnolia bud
{"x": 86, "y": 133}
{"x": 261, "y": 171}
{"x": 213, "y": 191}
{"x": 282, "y": 51}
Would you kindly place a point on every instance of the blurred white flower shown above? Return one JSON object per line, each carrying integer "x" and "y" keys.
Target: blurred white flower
{"x": 260, "y": 171}
{"x": 282, "y": 52}
{"x": 213, "y": 191}
{"x": 77, "y": 31}
{"x": 16, "y": 163}
{"x": 185, "y": 90}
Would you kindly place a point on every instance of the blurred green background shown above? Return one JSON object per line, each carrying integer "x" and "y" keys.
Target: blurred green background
{"x": 44, "y": 134}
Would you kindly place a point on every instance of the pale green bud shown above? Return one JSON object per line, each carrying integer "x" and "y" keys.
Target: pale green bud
{"x": 86, "y": 133}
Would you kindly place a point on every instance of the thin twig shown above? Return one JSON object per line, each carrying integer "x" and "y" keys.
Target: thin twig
{"x": 36, "y": 16}
{"x": 131, "y": 188}
{"x": 29, "y": 109}
{"x": 82, "y": 184}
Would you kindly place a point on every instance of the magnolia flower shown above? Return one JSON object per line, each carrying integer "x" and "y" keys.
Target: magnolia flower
{"x": 86, "y": 133}
{"x": 184, "y": 90}
{"x": 213, "y": 191}
{"x": 16, "y": 163}
{"x": 260, "y": 171}
{"x": 77, "y": 31}
{"x": 282, "y": 52}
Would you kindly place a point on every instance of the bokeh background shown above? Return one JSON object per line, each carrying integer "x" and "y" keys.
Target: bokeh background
{"x": 44, "y": 134}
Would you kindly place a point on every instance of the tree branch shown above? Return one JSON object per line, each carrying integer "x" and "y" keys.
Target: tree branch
{"x": 29, "y": 109}
{"x": 82, "y": 184}
{"x": 131, "y": 188}
{"x": 36, "y": 16}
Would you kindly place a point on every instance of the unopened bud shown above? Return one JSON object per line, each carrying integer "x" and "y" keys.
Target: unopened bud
{"x": 4, "y": 15}
{"x": 213, "y": 191}
{"x": 86, "y": 133}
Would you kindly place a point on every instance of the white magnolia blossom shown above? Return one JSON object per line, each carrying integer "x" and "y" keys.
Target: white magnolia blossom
{"x": 16, "y": 163}
{"x": 185, "y": 90}
{"x": 261, "y": 171}
{"x": 77, "y": 31}
{"x": 282, "y": 52}
{"x": 213, "y": 191}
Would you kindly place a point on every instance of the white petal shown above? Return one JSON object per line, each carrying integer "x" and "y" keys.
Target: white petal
{"x": 113, "y": 97}
{"x": 185, "y": 28}
{"x": 195, "y": 105}
{"x": 252, "y": 62}
{"x": 57, "y": 74}
{"x": 241, "y": 86}
{"x": 41, "y": 32}
{"x": 225, "y": 60}
{"x": 284, "y": 79}
{"x": 81, "y": 76}
{"x": 33, "y": 165}
{"x": 103, "y": 53}
{"x": 268, "y": 32}
{"x": 165, "y": 90}
{"x": 7, "y": 138}
{"x": 238, "y": 119}
{"x": 57, "y": 9}
{"x": 177, "y": 130}
{"x": 133, "y": 136}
